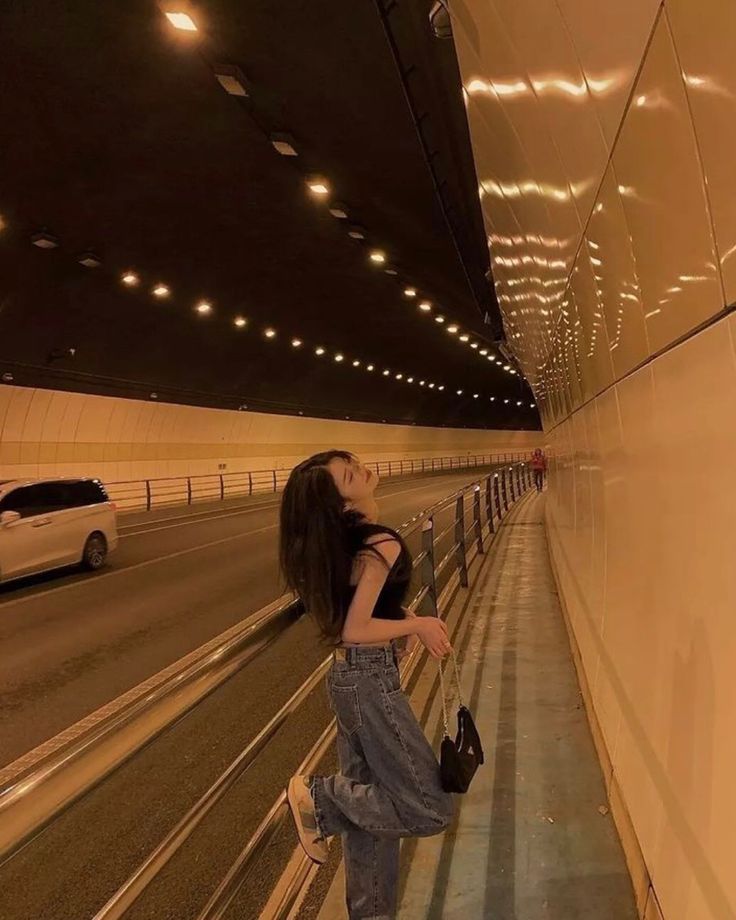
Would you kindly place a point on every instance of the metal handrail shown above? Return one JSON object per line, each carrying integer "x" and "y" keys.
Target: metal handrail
{"x": 161, "y": 492}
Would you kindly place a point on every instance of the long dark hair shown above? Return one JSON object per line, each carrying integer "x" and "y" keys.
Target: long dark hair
{"x": 314, "y": 542}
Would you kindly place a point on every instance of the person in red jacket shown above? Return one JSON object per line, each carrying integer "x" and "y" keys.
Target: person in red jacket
{"x": 539, "y": 468}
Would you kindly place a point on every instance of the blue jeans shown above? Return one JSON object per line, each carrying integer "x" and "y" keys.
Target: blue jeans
{"x": 389, "y": 784}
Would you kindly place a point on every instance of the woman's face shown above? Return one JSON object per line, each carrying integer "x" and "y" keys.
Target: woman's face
{"x": 355, "y": 482}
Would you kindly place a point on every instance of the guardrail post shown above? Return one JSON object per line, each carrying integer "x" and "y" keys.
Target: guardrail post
{"x": 389, "y": 467}
{"x": 522, "y": 487}
{"x": 250, "y": 483}
{"x": 222, "y": 488}
{"x": 273, "y": 472}
{"x": 401, "y": 467}
{"x": 148, "y": 495}
{"x": 476, "y": 519}
{"x": 189, "y": 490}
{"x": 427, "y": 569}
{"x": 462, "y": 563}
{"x": 511, "y": 484}
{"x": 497, "y": 490}
{"x": 505, "y": 490}
{"x": 489, "y": 506}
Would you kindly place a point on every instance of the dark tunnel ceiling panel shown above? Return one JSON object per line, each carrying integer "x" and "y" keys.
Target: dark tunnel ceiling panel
{"x": 124, "y": 143}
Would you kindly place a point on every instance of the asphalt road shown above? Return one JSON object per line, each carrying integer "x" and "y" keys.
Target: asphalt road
{"x": 177, "y": 581}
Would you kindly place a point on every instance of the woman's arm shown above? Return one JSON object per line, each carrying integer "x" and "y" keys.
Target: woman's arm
{"x": 360, "y": 627}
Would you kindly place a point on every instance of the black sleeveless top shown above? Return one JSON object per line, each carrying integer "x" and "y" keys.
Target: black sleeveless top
{"x": 393, "y": 594}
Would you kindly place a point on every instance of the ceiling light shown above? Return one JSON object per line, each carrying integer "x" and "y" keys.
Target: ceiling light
{"x": 512, "y": 371}
{"x": 356, "y": 232}
{"x": 89, "y": 260}
{"x": 240, "y": 321}
{"x": 203, "y": 307}
{"x": 130, "y": 278}
{"x": 284, "y": 144}
{"x": 431, "y": 386}
{"x": 410, "y": 380}
{"x": 493, "y": 398}
{"x": 370, "y": 367}
{"x": 399, "y": 376}
{"x": 319, "y": 350}
{"x": 505, "y": 400}
{"x": 421, "y": 383}
{"x": 161, "y": 290}
{"x": 532, "y": 405}
{"x": 464, "y": 338}
{"x": 473, "y": 344}
{"x": 410, "y": 292}
{"x": 339, "y": 210}
{"x": 339, "y": 358}
{"x": 318, "y": 185}
{"x": 484, "y": 351}
{"x": 231, "y": 79}
{"x": 518, "y": 403}
{"x": 452, "y": 329}
{"x": 475, "y": 395}
{"x": 439, "y": 319}
{"x": 386, "y": 373}
{"x": 390, "y": 271}
{"x": 296, "y": 343}
{"x": 44, "y": 240}
{"x": 182, "y": 21}
{"x": 356, "y": 363}
{"x": 459, "y": 392}
{"x": 442, "y": 387}
{"x": 507, "y": 367}
{"x": 269, "y": 333}
{"x": 425, "y": 306}
{"x": 378, "y": 257}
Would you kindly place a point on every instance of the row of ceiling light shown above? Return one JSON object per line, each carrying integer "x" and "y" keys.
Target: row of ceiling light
{"x": 204, "y": 308}
{"x": 160, "y": 290}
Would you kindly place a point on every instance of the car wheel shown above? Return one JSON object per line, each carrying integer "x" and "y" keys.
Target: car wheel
{"x": 95, "y": 552}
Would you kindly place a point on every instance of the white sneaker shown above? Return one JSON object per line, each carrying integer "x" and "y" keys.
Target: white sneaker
{"x": 301, "y": 804}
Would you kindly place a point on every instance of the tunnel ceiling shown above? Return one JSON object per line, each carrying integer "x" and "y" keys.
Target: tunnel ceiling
{"x": 121, "y": 145}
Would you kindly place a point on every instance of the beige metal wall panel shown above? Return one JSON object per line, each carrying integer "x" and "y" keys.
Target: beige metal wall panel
{"x": 658, "y": 172}
{"x": 615, "y": 274}
{"x": 705, "y": 39}
{"x": 610, "y": 39}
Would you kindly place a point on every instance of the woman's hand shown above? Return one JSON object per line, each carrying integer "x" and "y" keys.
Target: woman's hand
{"x": 432, "y": 633}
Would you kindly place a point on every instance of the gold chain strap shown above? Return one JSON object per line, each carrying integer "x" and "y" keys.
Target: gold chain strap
{"x": 442, "y": 688}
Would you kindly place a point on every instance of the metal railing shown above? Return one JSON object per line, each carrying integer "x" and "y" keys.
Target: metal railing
{"x": 482, "y": 504}
{"x": 140, "y": 494}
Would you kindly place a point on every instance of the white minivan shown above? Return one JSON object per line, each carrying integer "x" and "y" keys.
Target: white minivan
{"x": 52, "y": 523}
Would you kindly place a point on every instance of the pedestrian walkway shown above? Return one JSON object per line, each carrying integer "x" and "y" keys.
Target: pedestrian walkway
{"x": 533, "y": 839}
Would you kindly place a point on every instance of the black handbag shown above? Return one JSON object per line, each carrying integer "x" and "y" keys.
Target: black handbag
{"x": 459, "y": 759}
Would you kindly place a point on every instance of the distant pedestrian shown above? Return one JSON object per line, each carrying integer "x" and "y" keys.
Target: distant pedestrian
{"x": 539, "y": 468}
{"x": 352, "y": 574}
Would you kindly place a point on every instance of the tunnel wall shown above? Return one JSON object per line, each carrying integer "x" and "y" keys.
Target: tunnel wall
{"x": 52, "y": 433}
{"x": 602, "y": 136}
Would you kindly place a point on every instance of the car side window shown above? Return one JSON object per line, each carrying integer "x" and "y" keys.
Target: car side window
{"x": 24, "y": 501}
{"x": 87, "y": 493}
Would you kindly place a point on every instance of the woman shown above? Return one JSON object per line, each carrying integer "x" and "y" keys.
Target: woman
{"x": 352, "y": 575}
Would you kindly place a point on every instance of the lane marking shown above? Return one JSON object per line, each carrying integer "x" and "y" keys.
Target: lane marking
{"x": 137, "y": 565}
